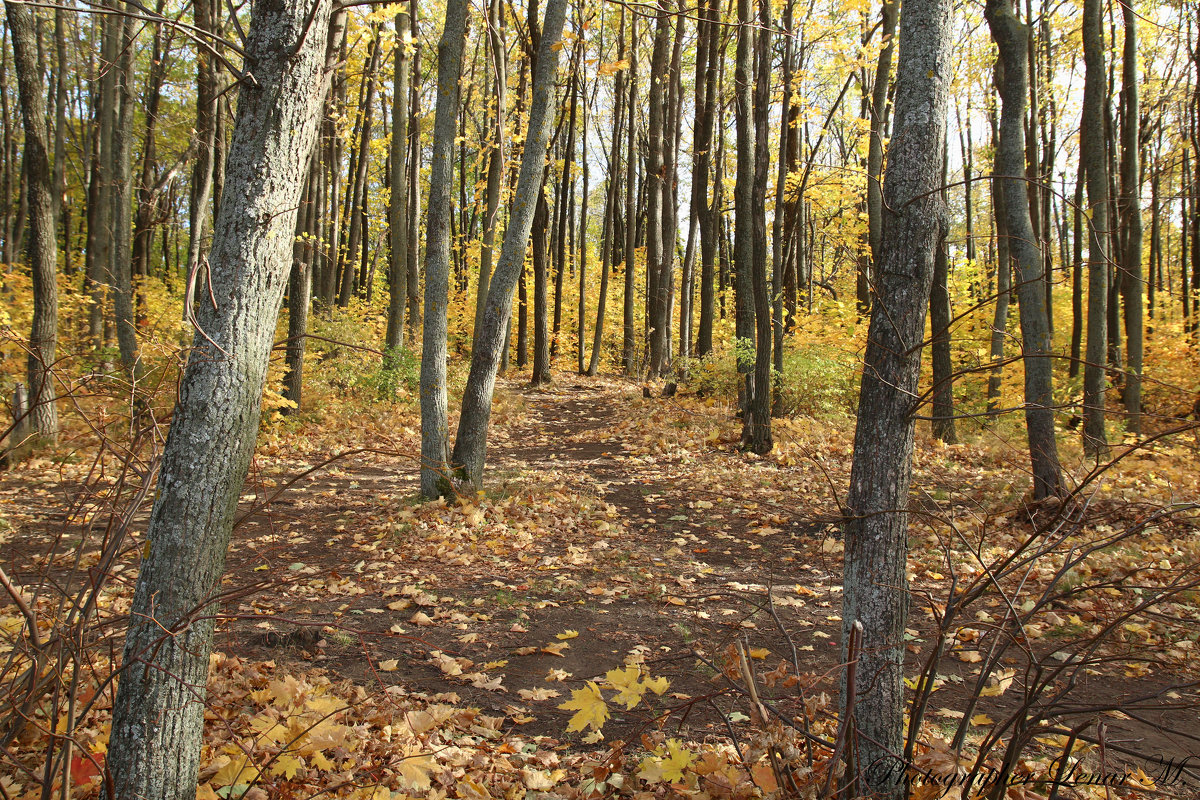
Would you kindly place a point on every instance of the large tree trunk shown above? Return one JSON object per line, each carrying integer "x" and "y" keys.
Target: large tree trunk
{"x": 158, "y": 714}
{"x": 434, "y": 427}
{"x": 1093, "y": 156}
{"x": 43, "y": 253}
{"x": 875, "y": 583}
{"x": 1012, "y": 39}
{"x": 470, "y": 446}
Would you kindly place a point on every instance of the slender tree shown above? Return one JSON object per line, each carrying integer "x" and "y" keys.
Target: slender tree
{"x": 1094, "y": 159}
{"x": 434, "y": 427}
{"x": 470, "y": 446}
{"x": 43, "y": 252}
{"x": 875, "y": 591}
{"x": 1011, "y": 37}
{"x": 1131, "y": 222}
{"x": 398, "y": 204}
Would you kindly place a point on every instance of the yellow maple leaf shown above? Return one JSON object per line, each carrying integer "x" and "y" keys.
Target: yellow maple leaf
{"x": 287, "y": 765}
{"x": 658, "y": 685}
{"x": 626, "y": 682}
{"x": 567, "y": 634}
{"x": 589, "y": 707}
{"x": 236, "y": 771}
{"x": 678, "y": 760}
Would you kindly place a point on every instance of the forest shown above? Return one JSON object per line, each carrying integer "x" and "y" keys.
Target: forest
{"x": 600, "y": 398}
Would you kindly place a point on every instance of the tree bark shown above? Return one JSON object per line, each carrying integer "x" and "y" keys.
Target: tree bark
{"x": 743, "y": 233}
{"x": 541, "y": 327}
{"x": 496, "y": 159}
{"x": 398, "y": 204}
{"x": 879, "y": 121}
{"x": 434, "y": 427}
{"x": 875, "y": 584}
{"x": 1012, "y": 39}
{"x": 629, "y": 330}
{"x": 470, "y": 446}
{"x": 1093, "y": 157}
{"x": 1131, "y": 219}
{"x": 43, "y": 252}
{"x": 158, "y": 714}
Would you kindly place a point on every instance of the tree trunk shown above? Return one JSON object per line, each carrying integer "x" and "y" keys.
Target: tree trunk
{"x": 541, "y": 326}
{"x": 1131, "y": 218}
{"x": 1012, "y": 40}
{"x": 656, "y": 281}
{"x": 1093, "y": 157}
{"x": 875, "y": 590}
{"x": 743, "y": 233}
{"x": 756, "y": 424}
{"x": 158, "y": 714}
{"x": 1077, "y": 276}
{"x": 119, "y": 270}
{"x": 879, "y": 121}
{"x": 470, "y": 447}
{"x": 496, "y": 159}
{"x": 43, "y": 252}
{"x": 609, "y": 245}
{"x": 706, "y": 98}
{"x": 398, "y": 205}
{"x": 940, "y": 316}
{"x": 629, "y": 330}
{"x": 204, "y": 17}
{"x": 434, "y": 427}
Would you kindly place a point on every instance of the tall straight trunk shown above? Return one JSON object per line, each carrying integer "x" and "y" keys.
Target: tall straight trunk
{"x": 743, "y": 247}
{"x": 1077, "y": 275}
{"x": 498, "y": 53}
{"x": 43, "y": 252}
{"x": 541, "y": 326}
{"x": 780, "y": 251}
{"x": 706, "y": 99}
{"x": 100, "y": 206}
{"x": 609, "y": 245}
{"x": 564, "y": 197}
{"x": 580, "y": 316}
{"x": 968, "y": 154}
{"x": 1093, "y": 157}
{"x": 656, "y": 280}
{"x": 435, "y": 478}
{"x": 1131, "y": 218}
{"x": 875, "y": 585}
{"x": 629, "y": 329}
{"x": 147, "y": 197}
{"x": 670, "y": 197}
{"x": 879, "y": 123}
{"x": 299, "y": 297}
{"x": 1011, "y": 37}
{"x": 357, "y": 197}
{"x": 158, "y": 715}
{"x": 414, "y": 179}
{"x": 398, "y": 204}
{"x": 470, "y": 446}
{"x": 756, "y": 424}
{"x": 940, "y": 316}
{"x": 119, "y": 270}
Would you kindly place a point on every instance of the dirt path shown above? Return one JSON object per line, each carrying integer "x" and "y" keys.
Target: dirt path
{"x": 645, "y": 568}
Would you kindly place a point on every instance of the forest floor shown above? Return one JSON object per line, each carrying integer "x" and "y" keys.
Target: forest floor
{"x": 618, "y": 530}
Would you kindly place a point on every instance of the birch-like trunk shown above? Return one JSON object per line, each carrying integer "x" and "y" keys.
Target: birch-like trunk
{"x": 158, "y": 718}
